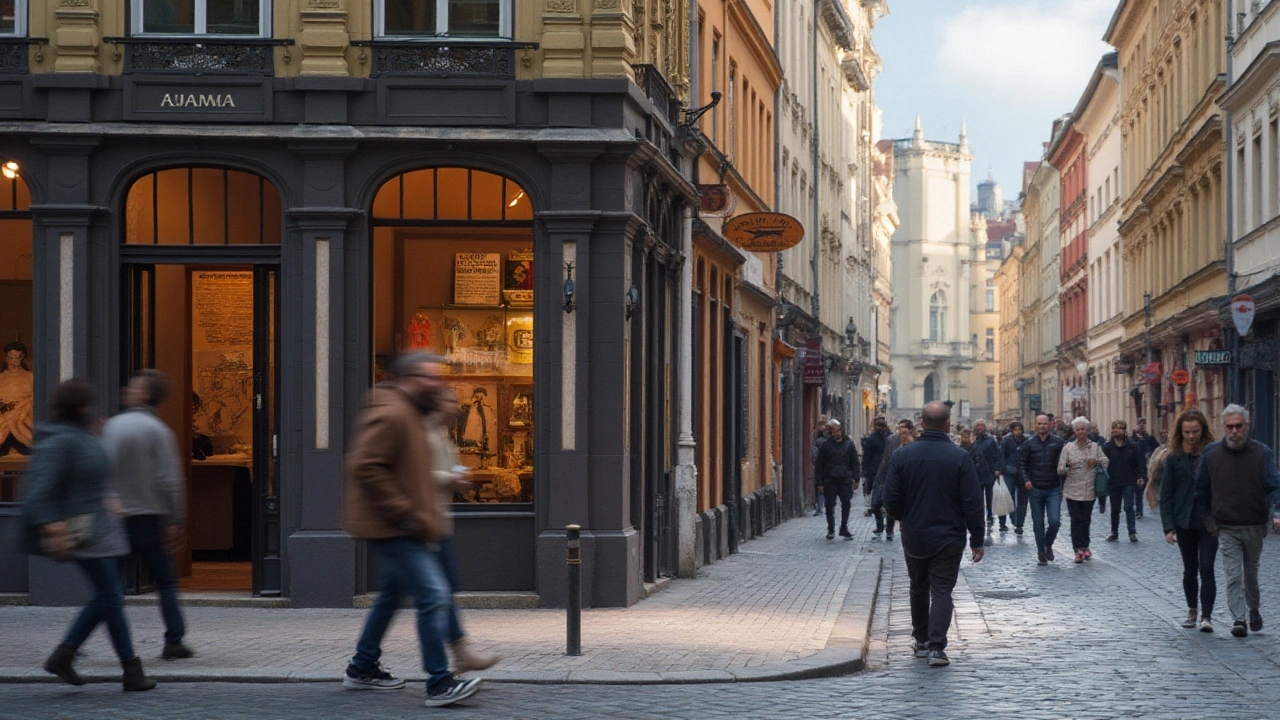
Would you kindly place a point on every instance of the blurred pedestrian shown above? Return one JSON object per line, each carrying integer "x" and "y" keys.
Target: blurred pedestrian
{"x": 1147, "y": 443}
{"x": 988, "y": 470}
{"x": 1128, "y": 470}
{"x": 1239, "y": 484}
{"x": 872, "y": 453}
{"x": 1038, "y": 465}
{"x": 1010, "y": 446}
{"x": 145, "y": 472}
{"x": 391, "y": 500}
{"x": 932, "y": 489}
{"x": 838, "y": 469}
{"x": 905, "y": 436}
{"x": 820, "y": 435}
{"x": 69, "y": 503}
{"x": 1184, "y": 520}
{"x": 1078, "y": 465}
{"x": 1097, "y": 438}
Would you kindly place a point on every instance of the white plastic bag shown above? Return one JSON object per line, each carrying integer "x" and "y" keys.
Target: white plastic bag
{"x": 1001, "y": 500}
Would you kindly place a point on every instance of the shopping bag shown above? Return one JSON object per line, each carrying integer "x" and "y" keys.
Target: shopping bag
{"x": 1001, "y": 500}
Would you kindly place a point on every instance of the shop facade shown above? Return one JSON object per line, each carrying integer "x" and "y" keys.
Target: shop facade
{"x": 271, "y": 242}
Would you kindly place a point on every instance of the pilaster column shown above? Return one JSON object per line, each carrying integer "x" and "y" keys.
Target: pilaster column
{"x": 563, "y": 39}
{"x": 613, "y": 43}
{"x": 76, "y": 35}
{"x": 323, "y": 38}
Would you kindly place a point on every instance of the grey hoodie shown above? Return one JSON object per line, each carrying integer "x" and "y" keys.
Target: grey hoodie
{"x": 144, "y": 465}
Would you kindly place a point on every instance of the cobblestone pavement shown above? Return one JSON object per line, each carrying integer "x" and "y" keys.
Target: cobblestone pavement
{"x": 1097, "y": 640}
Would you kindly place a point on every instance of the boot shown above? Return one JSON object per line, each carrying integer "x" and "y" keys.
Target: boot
{"x": 466, "y": 660}
{"x": 134, "y": 677}
{"x": 59, "y": 663}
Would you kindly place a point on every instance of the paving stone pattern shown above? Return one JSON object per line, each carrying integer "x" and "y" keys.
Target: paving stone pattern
{"x": 1097, "y": 640}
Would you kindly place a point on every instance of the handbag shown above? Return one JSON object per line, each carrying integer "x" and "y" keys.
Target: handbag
{"x": 79, "y": 534}
{"x": 1001, "y": 500}
{"x": 1101, "y": 481}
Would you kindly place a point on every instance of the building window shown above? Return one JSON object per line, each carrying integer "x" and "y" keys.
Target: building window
{"x": 991, "y": 296}
{"x": 17, "y": 381}
{"x": 991, "y": 390}
{"x": 715, "y": 83}
{"x": 434, "y": 18}
{"x": 201, "y": 17}
{"x": 991, "y": 343}
{"x": 938, "y": 317}
{"x": 13, "y": 17}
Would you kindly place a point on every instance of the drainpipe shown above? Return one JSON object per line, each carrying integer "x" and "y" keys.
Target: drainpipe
{"x": 1233, "y": 337}
{"x": 686, "y": 475}
{"x": 815, "y": 303}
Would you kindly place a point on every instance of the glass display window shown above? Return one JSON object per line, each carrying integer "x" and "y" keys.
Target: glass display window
{"x": 17, "y": 371}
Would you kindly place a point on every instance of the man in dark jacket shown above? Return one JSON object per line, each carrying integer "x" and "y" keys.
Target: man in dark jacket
{"x": 1239, "y": 484}
{"x": 1128, "y": 470}
{"x": 1147, "y": 443}
{"x": 820, "y": 435}
{"x": 837, "y": 469}
{"x": 1038, "y": 463}
{"x": 932, "y": 489}
{"x": 1009, "y": 447}
{"x": 989, "y": 472}
{"x": 872, "y": 454}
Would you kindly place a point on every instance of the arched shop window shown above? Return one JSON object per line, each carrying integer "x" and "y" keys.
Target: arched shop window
{"x": 202, "y": 206}
{"x": 453, "y": 275}
{"x": 18, "y": 367}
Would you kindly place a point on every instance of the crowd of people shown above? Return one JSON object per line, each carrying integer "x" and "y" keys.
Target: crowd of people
{"x": 1214, "y": 497}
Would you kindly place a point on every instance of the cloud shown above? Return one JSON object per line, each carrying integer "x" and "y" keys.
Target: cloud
{"x": 1039, "y": 50}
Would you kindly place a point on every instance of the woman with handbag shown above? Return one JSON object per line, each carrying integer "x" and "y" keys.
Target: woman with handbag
{"x": 71, "y": 513}
{"x": 1079, "y": 462}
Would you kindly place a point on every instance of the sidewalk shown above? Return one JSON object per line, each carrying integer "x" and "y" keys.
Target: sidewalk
{"x": 789, "y": 605}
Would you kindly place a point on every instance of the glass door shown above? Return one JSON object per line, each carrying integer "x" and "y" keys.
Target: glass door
{"x": 266, "y": 522}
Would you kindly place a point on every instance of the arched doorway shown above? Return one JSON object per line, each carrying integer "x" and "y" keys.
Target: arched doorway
{"x": 930, "y": 388}
{"x": 453, "y": 274}
{"x": 200, "y": 252}
{"x": 17, "y": 379}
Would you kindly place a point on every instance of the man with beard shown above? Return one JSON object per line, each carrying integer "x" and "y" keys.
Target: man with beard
{"x": 1239, "y": 484}
{"x": 837, "y": 468}
{"x": 1038, "y": 463}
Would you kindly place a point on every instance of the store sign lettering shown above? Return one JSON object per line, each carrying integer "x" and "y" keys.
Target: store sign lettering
{"x": 197, "y": 100}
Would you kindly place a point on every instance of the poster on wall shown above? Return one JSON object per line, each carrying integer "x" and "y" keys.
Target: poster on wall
{"x": 477, "y": 278}
{"x": 222, "y": 359}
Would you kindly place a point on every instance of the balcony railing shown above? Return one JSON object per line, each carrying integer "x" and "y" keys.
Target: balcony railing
{"x": 414, "y": 58}
{"x": 953, "y": 350}
{"x": 199, "y": 55}
{"x": 13, "y": 54}
{"x": 655, "y": 87}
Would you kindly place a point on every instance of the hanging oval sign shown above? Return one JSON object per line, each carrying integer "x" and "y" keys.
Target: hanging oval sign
{"x": 1181, "y": 377}
{"x": 764, "y": 231}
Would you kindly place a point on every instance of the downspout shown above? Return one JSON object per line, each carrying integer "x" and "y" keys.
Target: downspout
{"x": 686, "y": 476}
{"x": 815, "y": 304}
{"x": 1233, "y": 338}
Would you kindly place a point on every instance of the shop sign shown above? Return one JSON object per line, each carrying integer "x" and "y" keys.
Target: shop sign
{"x": 1033, "y": 402}
{"x": 814, "y": 372}
{"x": 1123, "y": 368}
{"x": 1242, "y": 312}
{"x": 1213, "y": 357}
{"x": 1181, "y": 377}
{"x": 764, "y": 231}
{"x": 1151, "y": 373}
{"x": 715, "y": 198}
{"x": 203, "y": 99}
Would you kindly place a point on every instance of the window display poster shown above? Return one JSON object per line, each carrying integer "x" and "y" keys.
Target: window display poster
{"x": 222, "y": 356}
{"x": 477, "y": 278}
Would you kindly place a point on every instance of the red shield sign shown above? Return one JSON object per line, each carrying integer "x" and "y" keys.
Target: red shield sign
{"x": 1242, "y": 312}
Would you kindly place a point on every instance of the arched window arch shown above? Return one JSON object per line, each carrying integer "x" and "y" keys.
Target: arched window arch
{"x": 930, "y": 388}
{"x": 938, "y": 317}
{"x": 202, "y": 206}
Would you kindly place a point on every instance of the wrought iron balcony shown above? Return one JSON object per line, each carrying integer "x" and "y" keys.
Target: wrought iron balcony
{"x": 436, "y": 58}
{"x": 655, "y": 87}
{"x": 13, "y": 54}
{"x": 199, "y": 55}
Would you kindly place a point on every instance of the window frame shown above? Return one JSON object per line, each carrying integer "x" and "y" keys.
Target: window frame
{"x": 506, "y": 23}
{"x": 137, "y": 12}
{"x": 19, "y": 20}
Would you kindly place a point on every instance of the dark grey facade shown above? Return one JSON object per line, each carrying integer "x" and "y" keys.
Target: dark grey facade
{"x": 596, "y": 157}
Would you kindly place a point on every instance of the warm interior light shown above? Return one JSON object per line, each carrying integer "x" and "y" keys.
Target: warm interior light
{"x": 10, "y": 170}
{"x": 516, "y": 200}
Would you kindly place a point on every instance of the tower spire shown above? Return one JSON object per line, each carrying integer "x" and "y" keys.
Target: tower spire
{"x": 917, "y": 138}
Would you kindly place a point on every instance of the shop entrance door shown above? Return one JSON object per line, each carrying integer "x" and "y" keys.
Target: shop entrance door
{"x": 213, "y": 328}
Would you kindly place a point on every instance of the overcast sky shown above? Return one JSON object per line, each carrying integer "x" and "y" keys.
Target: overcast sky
{"x": 1005, "y": 67}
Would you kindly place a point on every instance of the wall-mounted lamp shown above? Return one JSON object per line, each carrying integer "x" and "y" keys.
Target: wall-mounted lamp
{"x": 633, "y": 302}
{"x": 568, "y": 288}
{"x": 10, "y": 169}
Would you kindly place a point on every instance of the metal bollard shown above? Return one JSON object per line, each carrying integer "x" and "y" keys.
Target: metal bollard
{"x": 573, "y": 614}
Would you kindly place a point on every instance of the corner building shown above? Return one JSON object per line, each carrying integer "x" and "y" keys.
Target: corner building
{"x": 267, "y": 200}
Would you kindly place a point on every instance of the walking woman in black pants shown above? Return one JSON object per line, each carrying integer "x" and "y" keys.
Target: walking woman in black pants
{"x": 1184, "y": 522}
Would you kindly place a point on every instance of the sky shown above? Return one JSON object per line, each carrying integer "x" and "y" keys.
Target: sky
{"x": 1007, "y": 68}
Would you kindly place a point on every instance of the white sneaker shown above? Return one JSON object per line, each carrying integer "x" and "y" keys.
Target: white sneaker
{"x": 379, "y": 679}
{"x": 1206, "y": 625}
{"x": 1190, "y": 622}
{"x": 451, "y": 691}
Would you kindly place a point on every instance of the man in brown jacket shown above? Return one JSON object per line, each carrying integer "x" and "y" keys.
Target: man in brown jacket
{"x": 390, "y": 500}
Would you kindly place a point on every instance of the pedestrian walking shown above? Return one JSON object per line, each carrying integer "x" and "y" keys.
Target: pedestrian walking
{"x": 872, "y": 455}
{"x": 1239, "y": 484}
{"x": 1096, "y": 437}
{"x": 1010, "y": 447}
{"x": 391, "y": 500}
{"x": 72, "y": 513}
{"x": 932, "y": 489}
{"x": 145, "y": 472}
{"x": 1078, "y": 464}
{"x": 1128, "y": 470}
{"x": 1147, "y": 443}
{"x": 988, "y": 470}
{"x": 837, "y": 467}
{"x": 905, "y": 436}
{"x": 1184, "y": 520}
{"x": 820, "y": 435}
{"x": 1038, "y": 465}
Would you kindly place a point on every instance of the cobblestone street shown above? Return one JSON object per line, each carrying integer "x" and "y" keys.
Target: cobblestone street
{"x": 1097, "y": 640}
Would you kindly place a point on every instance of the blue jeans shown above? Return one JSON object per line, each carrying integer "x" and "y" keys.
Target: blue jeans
{"x": 146, "y": 539}
{"x": 1046, "y": 502}
{"x": 106, "y": 605}
{"x": 413, "y": 568}
{"x": 1017, "y": 491}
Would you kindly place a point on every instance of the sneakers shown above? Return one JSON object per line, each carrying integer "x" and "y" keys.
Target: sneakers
{"x": 877, "y": 532}
{"x": 1190, "y": 622}
{"x": 378, "y": 679}
{"x": 451, "y": 690}
{"x": 1088, "y": 554}
{"x": 176, "y": 651}
{"x": 844, "y": 533}
{"x": 1041, "y": 559}
{"x": 1113, "y": 537}
{"x": 1255, "y": 620}
{"x": 1206, "y": 625}
{"x": 1017, "y": 529}
{"x": 1079, "y": 557}
{"x": 920, "y": 649}
{"x": 1239, "y": 630}
{"x": 888, "y": 537}
{"x": 938, "y": 658}
{"x": 831, "y": 535}
{"x": 1133, "y": 537}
